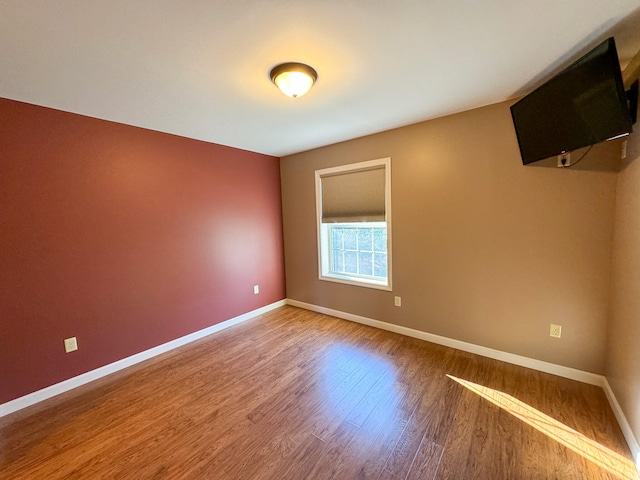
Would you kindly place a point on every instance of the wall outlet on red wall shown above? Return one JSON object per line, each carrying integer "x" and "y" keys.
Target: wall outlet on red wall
{"x": 70, "y": 344}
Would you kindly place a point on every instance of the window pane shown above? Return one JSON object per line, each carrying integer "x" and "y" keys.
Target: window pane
{"x": 350, "y": 239}
{"x": 380, "y": 239}
{"x": 350, "y": 262}
{"x": 366, "y": 263}
{"x": 365, "y": 242}
{"x": 338, "y": 260}
{"x": 380, "y": 265}
{"x": 336, "y": 237}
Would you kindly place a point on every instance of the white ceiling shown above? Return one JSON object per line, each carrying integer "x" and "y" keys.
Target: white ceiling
{"x": 200, "y": 68}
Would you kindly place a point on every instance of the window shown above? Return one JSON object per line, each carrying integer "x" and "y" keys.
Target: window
{"x": 359, "y": 250}
{"x": 354, "y": 220}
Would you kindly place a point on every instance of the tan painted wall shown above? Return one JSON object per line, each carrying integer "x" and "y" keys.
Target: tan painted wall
{"x": 623, "y": 352}
{"x": 484, "y": 250}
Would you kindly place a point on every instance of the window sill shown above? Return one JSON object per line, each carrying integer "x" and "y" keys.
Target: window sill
{"x": 357, "y": 281}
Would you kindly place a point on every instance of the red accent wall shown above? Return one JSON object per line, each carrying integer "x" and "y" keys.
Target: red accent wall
{"x": 125, "y": 238}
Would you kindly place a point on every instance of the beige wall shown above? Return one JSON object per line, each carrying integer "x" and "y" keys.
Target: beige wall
{"x": 623, "y": 352}
{"x": 485, "y": 250}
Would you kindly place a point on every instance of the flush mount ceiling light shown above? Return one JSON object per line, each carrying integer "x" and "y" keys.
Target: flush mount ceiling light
{"x": 293, "y": 79}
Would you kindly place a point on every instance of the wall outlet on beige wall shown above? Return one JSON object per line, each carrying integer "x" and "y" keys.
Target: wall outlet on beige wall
{"x": 397, "y": 301}
{"x": 564, "y": 159}
{"x": 555, "y": 330}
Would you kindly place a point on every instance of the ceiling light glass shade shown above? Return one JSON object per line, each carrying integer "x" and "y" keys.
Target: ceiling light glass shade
{"x": 294, "y": 79}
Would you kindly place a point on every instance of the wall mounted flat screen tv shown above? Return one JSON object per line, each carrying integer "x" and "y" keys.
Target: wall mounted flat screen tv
{"x": 583, "y": 105}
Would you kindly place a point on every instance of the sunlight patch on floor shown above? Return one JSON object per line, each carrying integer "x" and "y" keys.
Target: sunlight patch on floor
{"x": 591, "y": 450}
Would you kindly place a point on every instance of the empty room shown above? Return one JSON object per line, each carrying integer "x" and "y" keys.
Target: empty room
{"x": 319, "y": 240}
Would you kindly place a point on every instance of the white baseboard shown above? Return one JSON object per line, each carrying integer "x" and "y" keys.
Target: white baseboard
{"x": 561, "y": 371}
{"x": 66, "y": 385}
{"x": 623, "y": 422}
{"x": 567, "y": 372}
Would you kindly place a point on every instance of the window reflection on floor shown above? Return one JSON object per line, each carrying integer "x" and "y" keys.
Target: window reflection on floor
{"x": 591, "y": 450}
{"x": 358, "y": 386}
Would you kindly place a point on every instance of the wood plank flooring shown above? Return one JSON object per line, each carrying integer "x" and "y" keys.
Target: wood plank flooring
{"x": 298, "y": 395}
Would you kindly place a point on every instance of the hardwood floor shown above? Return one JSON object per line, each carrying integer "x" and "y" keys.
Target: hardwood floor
{"x": 295, "y": 394}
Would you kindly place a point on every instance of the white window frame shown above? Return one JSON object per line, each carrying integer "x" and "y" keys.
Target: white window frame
{"x": 324, "y": 270}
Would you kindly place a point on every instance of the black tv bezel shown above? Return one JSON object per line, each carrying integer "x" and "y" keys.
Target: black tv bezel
{"x": 611, "y": 55}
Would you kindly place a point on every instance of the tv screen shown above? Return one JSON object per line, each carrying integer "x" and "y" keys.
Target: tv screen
{"x": 582, "y": 105}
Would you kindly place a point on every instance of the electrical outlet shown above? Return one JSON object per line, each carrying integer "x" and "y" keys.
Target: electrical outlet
{"x": 70, "y": 344}
{"x": 564, "y": 159}
{"x": 397, "y": 301}
{"x": 555, "y": 330}
{"x": 256, "y": 289}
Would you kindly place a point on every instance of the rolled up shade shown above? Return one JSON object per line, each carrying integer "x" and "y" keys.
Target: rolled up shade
{"x": 357, "y": 196}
